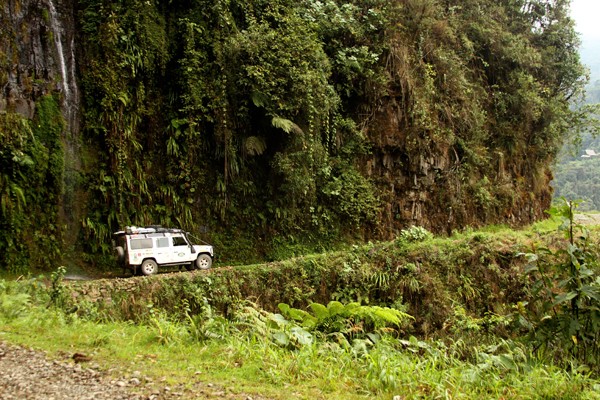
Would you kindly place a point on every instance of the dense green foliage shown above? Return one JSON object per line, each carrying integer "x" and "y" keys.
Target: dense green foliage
{"x": 246, "y": 356}
{"x": 564, "y": 312}
{"x": 481, "y": 325}
{"x": 31, "y": 181}
{"x": 255, "y": 118}
{"x": 236, "y": 101}
{"x": 412, "y": 274}
{"x": 283, "y": 125}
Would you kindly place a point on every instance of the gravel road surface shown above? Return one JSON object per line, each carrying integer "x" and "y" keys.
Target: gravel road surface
{"x": 27, "y": 374}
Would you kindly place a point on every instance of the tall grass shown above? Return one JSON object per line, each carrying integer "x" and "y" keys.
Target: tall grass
{"x": 241, "y": 354}
{"x": 338, "y": 351}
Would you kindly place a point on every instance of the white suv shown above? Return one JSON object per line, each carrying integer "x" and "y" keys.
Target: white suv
{"x": 144, "y": 249}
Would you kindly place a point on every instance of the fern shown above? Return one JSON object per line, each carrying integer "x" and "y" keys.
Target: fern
{"x": 12, "y": 304}
{"x": 255, "y": 145}
{"x": 259, "y": 99}
{"x": 335, "y": 307}
{"x": 320, "y": 311}
{"x": 384, "y": 316}
{"x": 285, "y": 124}
{"x": 297, "y": 315}
{"x": 351, "y": 319}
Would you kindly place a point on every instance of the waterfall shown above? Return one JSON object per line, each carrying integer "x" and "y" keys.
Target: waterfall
{"x": 66, "y": 65}
{"x": 57, "y": 31}
{"x": 63, "y": 30}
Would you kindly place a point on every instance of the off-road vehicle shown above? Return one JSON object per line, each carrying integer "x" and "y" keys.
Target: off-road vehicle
{"x": 145, "y": 249}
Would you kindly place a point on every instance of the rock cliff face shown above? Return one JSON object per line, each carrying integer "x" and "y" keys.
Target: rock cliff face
{"x": 38, "y": 45}
{"x": 423, "y": 184}
{"x": 38, "y": 61}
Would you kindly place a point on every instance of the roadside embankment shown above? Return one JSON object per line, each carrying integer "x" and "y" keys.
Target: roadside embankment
{"x": 434, "y": 280}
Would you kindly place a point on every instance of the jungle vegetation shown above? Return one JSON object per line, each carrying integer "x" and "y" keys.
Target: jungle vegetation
{"x": 492, "y": 313}
{"x": 290, "y": 126}
{"x": 285, "y": 125}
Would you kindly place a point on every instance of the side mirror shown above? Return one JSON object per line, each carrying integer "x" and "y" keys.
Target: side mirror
{"x": 192, "y": 248}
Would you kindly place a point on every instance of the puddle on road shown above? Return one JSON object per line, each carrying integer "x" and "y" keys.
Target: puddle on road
{"x": 76, "y": 277}
{"x": 77, "y": 273}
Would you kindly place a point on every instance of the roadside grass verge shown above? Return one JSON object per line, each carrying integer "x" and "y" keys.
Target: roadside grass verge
{"x": 200, "y": 330}
{"x": 245, "y": 358}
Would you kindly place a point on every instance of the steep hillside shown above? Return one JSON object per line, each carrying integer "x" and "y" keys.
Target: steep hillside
{"x": 276, "y": 123}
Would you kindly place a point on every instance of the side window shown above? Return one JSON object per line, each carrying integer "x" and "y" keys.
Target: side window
{"x": 137, "y": 244}
{"x": 179, "y": 241}
{"x": 162, "y": 242}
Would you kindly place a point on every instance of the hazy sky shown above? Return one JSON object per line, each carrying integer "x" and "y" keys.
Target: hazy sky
{"x": 586, "y": 14}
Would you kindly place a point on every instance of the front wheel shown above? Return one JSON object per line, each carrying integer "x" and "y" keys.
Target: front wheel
{"x": 149, "y": 267}
{"x": 203, "y": 261}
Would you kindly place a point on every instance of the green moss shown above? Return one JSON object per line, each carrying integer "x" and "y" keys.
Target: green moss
{"x": 32, "y": 234}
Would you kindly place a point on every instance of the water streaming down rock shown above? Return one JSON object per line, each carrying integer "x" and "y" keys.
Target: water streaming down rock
{"x": 38, "y": 42}
{"x": 62, "y": 25}
{"x": 65, "y": 54}
{"x": 38, "y": 58}
{"x": 57, "y": 31}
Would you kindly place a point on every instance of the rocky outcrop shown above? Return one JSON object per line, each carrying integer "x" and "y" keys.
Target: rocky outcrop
{"x": 38, "y": 49}
{"x": 38, "y": 60}
{"x": 422, "y": 182}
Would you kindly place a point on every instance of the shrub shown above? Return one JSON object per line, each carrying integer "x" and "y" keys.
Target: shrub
{"x": 415, "y": 234}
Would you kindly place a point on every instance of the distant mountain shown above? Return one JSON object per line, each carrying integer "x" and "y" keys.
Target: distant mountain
{"x": 590, "y": 56}
{"x": 577, "y": 173}
{"x": 579, "y": 180}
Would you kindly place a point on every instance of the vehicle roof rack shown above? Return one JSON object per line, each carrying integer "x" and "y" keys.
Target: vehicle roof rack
{"x": 142, "y": 230}
{"x": 150, "y": 229}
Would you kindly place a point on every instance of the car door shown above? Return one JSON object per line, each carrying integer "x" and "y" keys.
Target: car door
{"x": 163, "y": 250}
{"x": 181, "y": 250}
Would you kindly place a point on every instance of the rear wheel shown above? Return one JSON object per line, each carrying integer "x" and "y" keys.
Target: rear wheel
{"x": 203, "y": 261}
{"x": 149, "y": 267}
